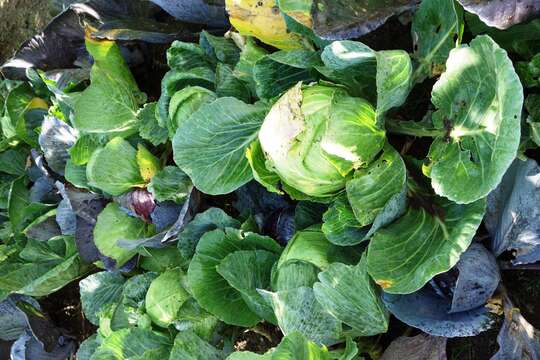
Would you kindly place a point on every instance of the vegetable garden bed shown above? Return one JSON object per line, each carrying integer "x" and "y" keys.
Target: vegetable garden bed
{"x": 291, "y": 179}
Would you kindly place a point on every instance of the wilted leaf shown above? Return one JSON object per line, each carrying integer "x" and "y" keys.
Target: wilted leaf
{"x": 518, "y": 339}
{"x": 13, "y": 321}
{"x": 263, "y": 20}
{"x": 477, "y": 280}
{"x": 196, "y": 11}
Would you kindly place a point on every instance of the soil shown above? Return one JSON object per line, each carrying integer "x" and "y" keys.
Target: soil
{"x": 19, "y": 21}
{"x": 65, "y": 310}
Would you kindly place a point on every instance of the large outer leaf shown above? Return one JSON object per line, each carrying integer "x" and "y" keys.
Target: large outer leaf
{"x": 479, "y": 100}
{"x": 184, "y": 103}
{"x": 513, "y": 214}
{"x": 111, "y": 101}
{"x": 297, "y": 310}
{"x": 344, "y": 19}
{"x": 428, "y": 312}
{"x": 296, "y": 346}
{"x": 247, "y": 271}
{"x": 149, "y": 127}
{"x": 209, "y": 288}
{"x": 348, "y": 293}
{"x": 340, "y": 225}
{"x": 165, "y": 297}
{"x": 210, "y": 146}
{"x": 54, "y": 279}
{"x": 112, "y": 225}
{"x": 503, "y": 13}
{"x": 170, "y": 183}
{"x": 436, "y": 29}
{"x": 114, "y": 168}
{"x": 352, "y": 63}
{"x": 408, "y": 253}
{"x": 477, "y": 280}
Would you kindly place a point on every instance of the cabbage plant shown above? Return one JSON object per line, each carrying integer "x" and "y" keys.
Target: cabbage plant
{"x": 315, "y": 136}
{"x": 279, "y": 190}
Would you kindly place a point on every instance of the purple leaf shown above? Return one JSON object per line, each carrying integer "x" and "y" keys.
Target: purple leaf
{"x": 503, "y": 13}
{"x": 419, "y": 347}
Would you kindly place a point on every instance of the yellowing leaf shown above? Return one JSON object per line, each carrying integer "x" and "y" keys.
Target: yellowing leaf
{"x": 299, "y": 10}
{"x": 148, "y": 163}
{"x": 37, "y": 103}
{"x": 263, "y": 20}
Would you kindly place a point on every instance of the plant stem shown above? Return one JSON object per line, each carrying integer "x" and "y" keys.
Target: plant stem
{"x": 412, "y": 128}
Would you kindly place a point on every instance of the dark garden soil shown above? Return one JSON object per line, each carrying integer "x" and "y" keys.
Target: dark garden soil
{"x": 65, "y": 310}
{"x": 19, "y": 21}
